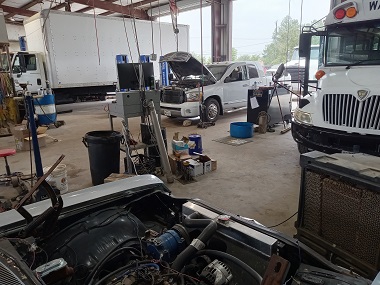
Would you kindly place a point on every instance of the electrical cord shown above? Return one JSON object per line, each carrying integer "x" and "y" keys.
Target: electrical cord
{"x": 98, "y": 266}
{"x": 283, "y": 222}
{"x": 124, "y": 268}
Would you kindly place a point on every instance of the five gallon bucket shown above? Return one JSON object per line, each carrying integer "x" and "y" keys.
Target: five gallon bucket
{"x": 197, "y": 145}
{"x": 104, "y": 154}
{"x": 241, "y": 130}
{"x": 45, "y": 109}
{"x": 58, "y": 178}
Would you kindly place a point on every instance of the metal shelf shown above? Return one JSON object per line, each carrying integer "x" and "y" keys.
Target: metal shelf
{"x": 138, "y": 146}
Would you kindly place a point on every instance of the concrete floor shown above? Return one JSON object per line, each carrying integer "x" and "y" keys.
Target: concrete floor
{"x": 258, "y": 180}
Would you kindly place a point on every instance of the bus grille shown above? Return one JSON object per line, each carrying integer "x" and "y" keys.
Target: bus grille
{"x": 347, "y": 110}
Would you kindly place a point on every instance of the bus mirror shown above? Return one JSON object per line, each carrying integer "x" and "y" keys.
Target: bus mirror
{"x": 305, "y": 44}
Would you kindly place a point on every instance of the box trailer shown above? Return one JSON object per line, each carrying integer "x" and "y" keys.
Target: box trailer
{"x": 76, "y": 53}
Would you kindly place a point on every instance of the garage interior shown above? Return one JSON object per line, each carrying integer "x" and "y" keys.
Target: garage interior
{"x": 266, "y": 176}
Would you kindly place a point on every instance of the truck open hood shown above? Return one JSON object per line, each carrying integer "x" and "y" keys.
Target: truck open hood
{"x": 183, "y": 64}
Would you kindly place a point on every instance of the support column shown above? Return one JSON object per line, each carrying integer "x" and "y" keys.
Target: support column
{"x": 221, "y": 30}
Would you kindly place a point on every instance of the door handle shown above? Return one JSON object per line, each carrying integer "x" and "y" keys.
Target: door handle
{"x": 245, "y": 85}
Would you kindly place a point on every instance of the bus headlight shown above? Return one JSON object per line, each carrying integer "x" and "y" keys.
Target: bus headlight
{"x": 302, "y": 117}
{"x": 194, "y": 96}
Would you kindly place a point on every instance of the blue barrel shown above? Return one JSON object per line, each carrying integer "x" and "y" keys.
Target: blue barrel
{"x": 198, "y": 143}
{"x": 45, "y": 109}
{"x": 241, "y": 130}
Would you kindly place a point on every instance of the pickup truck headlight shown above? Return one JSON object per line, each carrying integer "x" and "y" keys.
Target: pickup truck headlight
{"x": 193, "y": 96}
{"x": 302, "y": 117}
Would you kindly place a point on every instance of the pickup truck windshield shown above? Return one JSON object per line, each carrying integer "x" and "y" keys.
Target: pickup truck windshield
{"x": 357, "y": 44}
{"x": 217, "y": 70}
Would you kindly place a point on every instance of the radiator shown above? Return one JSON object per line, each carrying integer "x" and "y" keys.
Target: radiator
{"x": 339, "y": 209}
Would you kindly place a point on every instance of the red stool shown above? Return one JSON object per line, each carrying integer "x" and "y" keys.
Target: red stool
{"x": 4, "y": 153}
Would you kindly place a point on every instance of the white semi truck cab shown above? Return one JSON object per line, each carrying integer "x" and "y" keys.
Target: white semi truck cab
{"x": 343, "y": 114}
{"x": 27, "y": 67}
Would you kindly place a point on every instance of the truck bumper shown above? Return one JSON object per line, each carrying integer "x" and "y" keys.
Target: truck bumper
{"x": 332, "y": 141}
{"x": 185, "y": 110}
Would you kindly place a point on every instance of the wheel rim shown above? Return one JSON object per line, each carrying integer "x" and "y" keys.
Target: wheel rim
{"x": 212, "y": 111}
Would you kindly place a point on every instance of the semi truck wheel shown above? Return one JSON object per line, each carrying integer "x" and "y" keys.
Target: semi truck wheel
{"x": 212, "y": 110}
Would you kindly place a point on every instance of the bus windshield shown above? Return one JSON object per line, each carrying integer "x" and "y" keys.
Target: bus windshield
{"x": 357, "y": 44}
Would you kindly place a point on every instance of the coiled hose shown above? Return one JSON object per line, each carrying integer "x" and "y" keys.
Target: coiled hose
{"x": 196, "y": 245}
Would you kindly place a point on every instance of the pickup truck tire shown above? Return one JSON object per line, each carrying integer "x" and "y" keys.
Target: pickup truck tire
{"x": 212, "y": 110}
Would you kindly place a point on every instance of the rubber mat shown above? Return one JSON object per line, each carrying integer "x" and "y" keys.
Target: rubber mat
{"x": 234, "y": 141}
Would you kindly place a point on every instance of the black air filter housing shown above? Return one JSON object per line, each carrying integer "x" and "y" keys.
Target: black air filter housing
{"x": 339, "y": 209}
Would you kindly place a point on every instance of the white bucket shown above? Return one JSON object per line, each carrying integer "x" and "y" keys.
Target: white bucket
{"x": 58, "y": 178}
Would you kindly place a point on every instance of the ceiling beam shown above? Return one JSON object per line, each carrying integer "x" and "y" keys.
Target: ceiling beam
{"x": 140, "y": 14}
{"x": 59, "y": 6}
{"x": 130, "y": 6}
{"x": 26, "y": 6}
{"x": 141, "y": 3}
{"x": 17, "y": 11}
{"x": 84, "y": 9}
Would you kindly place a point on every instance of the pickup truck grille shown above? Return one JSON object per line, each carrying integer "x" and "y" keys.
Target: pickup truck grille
{"x": 347, "y": 110}
{"x": 297, "y": 74}
{"x": 174, "y": 96}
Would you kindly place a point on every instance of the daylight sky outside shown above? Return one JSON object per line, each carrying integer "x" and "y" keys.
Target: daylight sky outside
{"x": 253, "y": 22}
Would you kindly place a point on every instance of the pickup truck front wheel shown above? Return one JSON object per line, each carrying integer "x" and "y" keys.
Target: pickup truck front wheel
{"x": 212, "y": 110}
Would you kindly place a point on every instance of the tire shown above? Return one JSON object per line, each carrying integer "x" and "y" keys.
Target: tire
{"x": 302, "y": 149}
{"x": 212, "y": 110}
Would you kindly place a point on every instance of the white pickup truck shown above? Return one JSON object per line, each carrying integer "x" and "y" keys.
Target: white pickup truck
{"x": 225, "y": 86}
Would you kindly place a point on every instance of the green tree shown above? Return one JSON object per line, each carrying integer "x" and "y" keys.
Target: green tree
{"x": 285, "y": 38}
{"x": 234, "y": 54}
{"x": 206, "y": 60}
{"x": 247, "y": 57}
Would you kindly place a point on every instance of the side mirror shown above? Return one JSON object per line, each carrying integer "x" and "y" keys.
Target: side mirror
{"x": 227, "y": 80}
{"x": 171, "y": 76}
{"x": 305, "y": 44}
{"x": 17, "y": 69}
{"x": 279, "y": 73}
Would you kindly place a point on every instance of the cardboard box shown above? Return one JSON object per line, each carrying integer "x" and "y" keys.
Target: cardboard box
{"x": 206, "y": 161}
{"x": 173, "y": 163}
{"x": 20, "y": 131}
{"x": 41, "y": 130}
{"x": 196, "y": 168}
{"x": 23, "y": 143}
{"x": 213, "y": 164}
{"x": 207, "y": 166}
{"x": 180, "y": 148}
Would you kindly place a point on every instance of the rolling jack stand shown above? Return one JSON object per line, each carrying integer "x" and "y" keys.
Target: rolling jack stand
{"x": 203, "y": 124}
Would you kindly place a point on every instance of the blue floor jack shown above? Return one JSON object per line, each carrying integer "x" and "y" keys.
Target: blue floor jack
{"x": 41, "y": 194}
